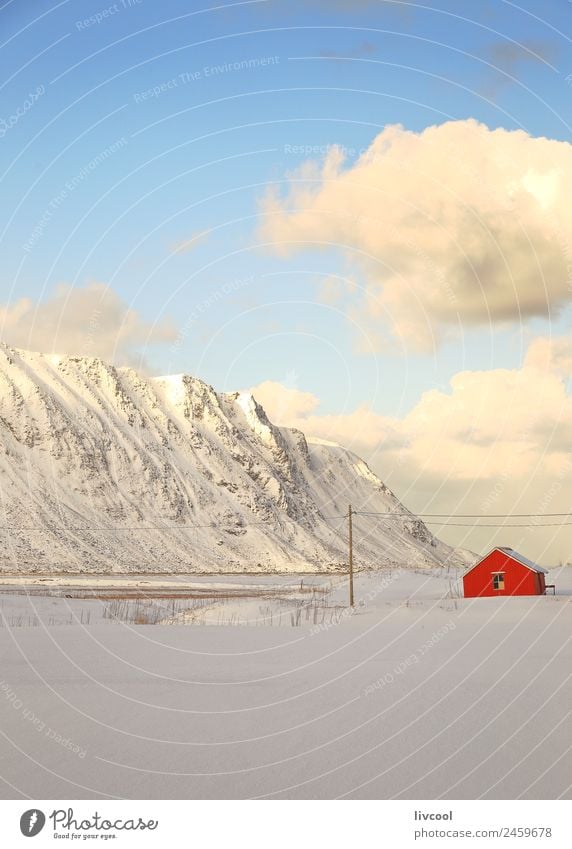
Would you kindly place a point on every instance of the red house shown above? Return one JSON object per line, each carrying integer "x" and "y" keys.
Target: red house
{"x": 504, "y": 572}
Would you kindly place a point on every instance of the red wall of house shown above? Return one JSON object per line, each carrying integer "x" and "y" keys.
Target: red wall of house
{"x": 518, "y": 579}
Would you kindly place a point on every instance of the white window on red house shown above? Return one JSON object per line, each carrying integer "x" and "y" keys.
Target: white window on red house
{"x": 498, "y": 581}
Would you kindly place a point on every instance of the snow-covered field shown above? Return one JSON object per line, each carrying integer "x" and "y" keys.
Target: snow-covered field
{"x": 268, "y": 687}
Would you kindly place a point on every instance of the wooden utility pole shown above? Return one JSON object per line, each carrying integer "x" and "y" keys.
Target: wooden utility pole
{"x": 351, "y": 555}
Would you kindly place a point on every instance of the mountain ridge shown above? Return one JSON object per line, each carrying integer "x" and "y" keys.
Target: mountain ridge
{"x": 105, "y": 470}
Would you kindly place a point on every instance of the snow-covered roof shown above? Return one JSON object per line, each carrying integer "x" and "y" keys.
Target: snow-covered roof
{"x": 514, "y": 555}
{"x": 522, "y": 559}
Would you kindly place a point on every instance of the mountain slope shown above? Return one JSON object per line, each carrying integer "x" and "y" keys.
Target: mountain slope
{"x": 102, "y": 469}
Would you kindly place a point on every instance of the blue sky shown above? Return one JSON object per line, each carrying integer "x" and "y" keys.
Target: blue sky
{"x": 185, "y": 145}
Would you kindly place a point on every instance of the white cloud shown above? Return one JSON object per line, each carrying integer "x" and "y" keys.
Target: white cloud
{"x": 87, "y": 321}
{"x": 452, "y": 227}
{"x": 551, "y": 354}
{"x": 495, "y": 442}
{"x": 284, "y": 402}
{"x": 485, "y": 421}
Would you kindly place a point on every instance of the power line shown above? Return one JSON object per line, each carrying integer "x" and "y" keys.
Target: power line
{"x": 213, "y": 525}
{"x": 464, "y": 515}
{"x": 427, "y": 518}
{"x": 443, "y": 524}
{"x": 442, "y": 519}
{"x": 500, "y": 525}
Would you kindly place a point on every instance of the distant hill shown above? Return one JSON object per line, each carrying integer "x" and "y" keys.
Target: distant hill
{"x": 105, "y": 470}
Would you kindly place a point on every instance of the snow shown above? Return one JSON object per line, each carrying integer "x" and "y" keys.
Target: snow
{"x": 174, "y": 619}
{"x": 250, "y": 409}
{"x": 416, "y": 694}
{"x": 105, "y": 470}
{"x": 173, "y": 386}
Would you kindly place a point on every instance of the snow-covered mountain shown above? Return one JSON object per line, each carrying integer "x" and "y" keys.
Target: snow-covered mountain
{"x": 102, "y": 469}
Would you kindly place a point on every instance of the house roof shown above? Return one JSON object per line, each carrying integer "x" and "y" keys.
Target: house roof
{"x": 522, "y": 559}
{"x": 514, "y": 555}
